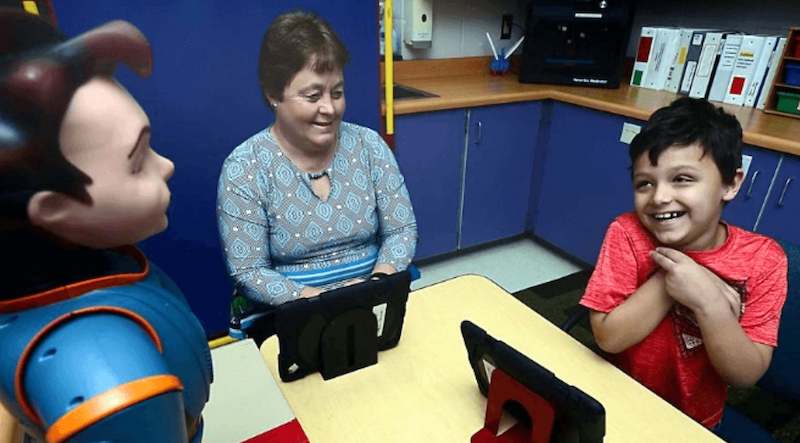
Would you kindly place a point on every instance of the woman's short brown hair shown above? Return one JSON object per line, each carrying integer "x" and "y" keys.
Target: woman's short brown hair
{"x": 291, "y": 42}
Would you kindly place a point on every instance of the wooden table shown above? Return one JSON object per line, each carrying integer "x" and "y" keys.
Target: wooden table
{"x": 424, "y": 389}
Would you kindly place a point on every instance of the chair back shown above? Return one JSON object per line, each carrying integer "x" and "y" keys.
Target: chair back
{"x": 783, "y": 378}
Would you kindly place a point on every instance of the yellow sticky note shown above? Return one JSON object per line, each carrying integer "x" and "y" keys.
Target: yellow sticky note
{"x": 30, "y": 6}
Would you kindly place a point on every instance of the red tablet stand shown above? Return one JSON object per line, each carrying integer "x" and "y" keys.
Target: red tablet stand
{"x": 502, "y": 389}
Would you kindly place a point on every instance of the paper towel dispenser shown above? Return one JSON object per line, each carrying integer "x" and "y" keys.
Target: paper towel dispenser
{"x": 418, "y": 32}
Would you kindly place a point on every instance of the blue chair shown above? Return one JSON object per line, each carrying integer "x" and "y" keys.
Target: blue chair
{"x": 782, "y": 379}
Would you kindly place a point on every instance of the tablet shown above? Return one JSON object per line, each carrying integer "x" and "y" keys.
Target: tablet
{"x": 578, "y": 416}
{"x": 341, "y": 330}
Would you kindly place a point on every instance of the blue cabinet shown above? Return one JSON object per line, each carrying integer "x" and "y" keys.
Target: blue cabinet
{"x": 468, "y": 187}
{"x": 428, "y": 149}
{"x": 500, "y": 149}
{"x": 584, "y": 179}
{"x": 743, "y": 210}
{"x": 781, "y": 213}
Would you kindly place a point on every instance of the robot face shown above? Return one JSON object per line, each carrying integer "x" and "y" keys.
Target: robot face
{"x": 106, "y": 135}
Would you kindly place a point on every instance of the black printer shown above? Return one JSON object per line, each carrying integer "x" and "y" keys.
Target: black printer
{"x": 575, "y": 42}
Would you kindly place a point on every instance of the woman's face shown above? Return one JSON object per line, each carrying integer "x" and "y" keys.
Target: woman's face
{"x": 309, "y": 115}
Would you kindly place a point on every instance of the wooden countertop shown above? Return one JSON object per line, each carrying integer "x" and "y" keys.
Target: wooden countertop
{"x": 465, "y": 82}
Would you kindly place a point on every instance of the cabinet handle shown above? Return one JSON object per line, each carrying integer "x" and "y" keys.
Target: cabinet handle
{"x": 480, "y": 133}
{"x": 783, "y": 193}
{"x": 752, "y": 182}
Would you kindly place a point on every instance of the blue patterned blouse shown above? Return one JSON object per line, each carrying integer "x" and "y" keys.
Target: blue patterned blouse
{"x": 278, "y": 236}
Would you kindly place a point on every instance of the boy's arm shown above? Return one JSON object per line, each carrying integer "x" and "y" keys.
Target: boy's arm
{"x": 737, "y": 359}
{"x": 634, "y": 319}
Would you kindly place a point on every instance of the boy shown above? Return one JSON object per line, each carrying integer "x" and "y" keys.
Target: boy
{"x": 685, "y": 303}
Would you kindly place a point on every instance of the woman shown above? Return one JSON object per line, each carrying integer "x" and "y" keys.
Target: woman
{"x": 311, "y": 202}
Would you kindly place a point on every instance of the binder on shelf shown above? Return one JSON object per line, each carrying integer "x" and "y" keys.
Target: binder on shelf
{"x": 751, "y": 94}
{"x": 665, "y": 46}
{"x": 676, "y": 69}
{"x": 772, "y": 69}
{"x": 692, "y": 59}
{"x": 722, "y": 75}
{"x": 709, "y": 57}
{"x": 646, "y": 41}
{"x": 743, "y": 70}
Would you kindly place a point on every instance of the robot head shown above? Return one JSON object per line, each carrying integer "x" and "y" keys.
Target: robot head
{"x": 73, "y": 143}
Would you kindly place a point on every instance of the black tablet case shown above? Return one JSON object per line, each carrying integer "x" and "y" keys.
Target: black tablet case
{"x": 579, "y": 418}
{"x": 337, "y": 331}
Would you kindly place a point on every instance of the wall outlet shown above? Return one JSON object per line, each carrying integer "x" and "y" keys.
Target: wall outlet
{"x": 505, "y": 26}
{"x": 629, "y": 131}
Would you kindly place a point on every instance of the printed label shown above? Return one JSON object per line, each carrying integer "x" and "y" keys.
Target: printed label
{"x": 688, "y": 76}
{"x": 380, "y": 316}
{"x": 697, "y": 39}
{"x": 629, "y": 131}
{"x": 588, "y": 15}
{"x": 707, "y": 60}
{"x": 682, "y": 55}
{"x": 746, "y": 160}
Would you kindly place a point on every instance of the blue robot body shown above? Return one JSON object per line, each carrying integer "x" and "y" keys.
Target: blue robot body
{"x": 66, "y": 362}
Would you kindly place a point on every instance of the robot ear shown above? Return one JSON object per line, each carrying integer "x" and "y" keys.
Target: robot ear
{"x": 47, "y": 85}
{"x": 113, "y": 42}
{"x": 49, "y": 210}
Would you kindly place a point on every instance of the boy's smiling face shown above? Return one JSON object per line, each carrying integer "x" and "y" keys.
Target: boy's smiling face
{"x": 680, "y": 199}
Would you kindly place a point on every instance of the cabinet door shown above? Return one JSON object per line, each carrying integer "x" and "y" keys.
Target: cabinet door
{"x": 501, "y": 141}
{"x": 428, "y": 149}
{"x": 782, "y": 211}
{"x": 585, "y": 180}
{"x": 743, "y": 210}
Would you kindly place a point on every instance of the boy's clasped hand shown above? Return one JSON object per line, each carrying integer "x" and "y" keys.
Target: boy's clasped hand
{"x": 694, "y": 285}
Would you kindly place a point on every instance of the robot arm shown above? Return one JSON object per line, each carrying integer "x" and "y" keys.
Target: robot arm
{"x": 98, "y": 374}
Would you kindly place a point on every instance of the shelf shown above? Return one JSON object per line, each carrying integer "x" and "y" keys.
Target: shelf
{"x": 772, "y": 111}
{"x": 772, "y": 100}
{"x": 784, "y": 85}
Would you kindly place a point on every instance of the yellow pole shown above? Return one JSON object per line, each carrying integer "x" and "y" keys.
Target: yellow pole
{"x": 222, "y": 341}
{"x": 388, "y": 66}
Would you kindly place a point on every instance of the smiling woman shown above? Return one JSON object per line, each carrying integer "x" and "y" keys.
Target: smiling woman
{"x": 311, "y": 202}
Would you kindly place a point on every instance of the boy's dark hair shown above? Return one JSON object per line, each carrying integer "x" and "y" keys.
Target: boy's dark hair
{"x": 292, "y": 41}
{"x": 689, "y": 120}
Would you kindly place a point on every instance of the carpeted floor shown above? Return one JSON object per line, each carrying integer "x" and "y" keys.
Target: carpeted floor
{"x": 558, "y": 300}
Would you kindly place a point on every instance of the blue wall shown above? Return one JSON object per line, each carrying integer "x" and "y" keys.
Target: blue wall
{"x": 203, "y": 99}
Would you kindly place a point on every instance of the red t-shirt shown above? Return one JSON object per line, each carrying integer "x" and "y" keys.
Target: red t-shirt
{"x": 672, "y": 361}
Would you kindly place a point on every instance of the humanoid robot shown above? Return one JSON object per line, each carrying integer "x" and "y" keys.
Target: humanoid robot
{"x": 97, "y": 343}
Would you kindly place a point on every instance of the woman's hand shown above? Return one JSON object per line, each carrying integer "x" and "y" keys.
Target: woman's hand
{"x": 383, "y": 268}
{"x": 310, "y": 291}
{"x": 352, "y": 281}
